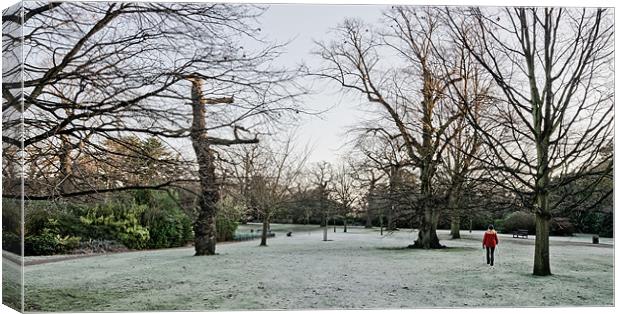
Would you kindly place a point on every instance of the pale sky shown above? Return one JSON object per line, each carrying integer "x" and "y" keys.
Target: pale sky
{"x": 302, "y": 24}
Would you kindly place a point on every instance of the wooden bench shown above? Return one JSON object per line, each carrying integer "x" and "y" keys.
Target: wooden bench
{"x": 521, "y": 233}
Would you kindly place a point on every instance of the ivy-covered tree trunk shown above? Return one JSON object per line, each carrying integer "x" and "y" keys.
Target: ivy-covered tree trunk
{"x": 204, "y": 226}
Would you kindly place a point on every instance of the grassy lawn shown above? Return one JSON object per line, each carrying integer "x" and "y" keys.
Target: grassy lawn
{"x": 11, "y": 284}
{"x": 358, "y": 269}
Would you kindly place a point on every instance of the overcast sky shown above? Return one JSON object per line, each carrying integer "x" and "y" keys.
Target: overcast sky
{"x": 303, "y": 24}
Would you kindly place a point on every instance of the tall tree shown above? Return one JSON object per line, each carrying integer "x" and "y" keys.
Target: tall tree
{"x": 553, "y": 69}
{"x": 268, "y": 174}
{"x": 409, "y": 90}
{"x": 99, "y": 71}
{"x": 345, "y": 191}
{"x": 322, "y": 178}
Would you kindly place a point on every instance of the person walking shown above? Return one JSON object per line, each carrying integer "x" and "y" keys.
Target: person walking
{"x": 489, "y": 242}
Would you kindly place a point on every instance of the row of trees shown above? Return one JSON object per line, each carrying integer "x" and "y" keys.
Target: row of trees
{"x": 515, "y": 100}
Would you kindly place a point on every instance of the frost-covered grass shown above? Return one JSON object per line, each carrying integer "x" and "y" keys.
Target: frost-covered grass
{"x": 358, "y": 269}
{"x": 11, "y": 283}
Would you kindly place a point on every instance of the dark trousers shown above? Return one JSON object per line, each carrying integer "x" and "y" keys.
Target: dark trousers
{"x": 490, "y": 255}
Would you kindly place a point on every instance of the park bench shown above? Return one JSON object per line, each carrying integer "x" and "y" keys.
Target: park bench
{"x": 521, "y": 233}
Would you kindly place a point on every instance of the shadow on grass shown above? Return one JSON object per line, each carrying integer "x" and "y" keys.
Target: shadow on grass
{"x": 444, "y": 249}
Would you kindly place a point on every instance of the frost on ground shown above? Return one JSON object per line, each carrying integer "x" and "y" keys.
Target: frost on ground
{"x": 11, "y": 283}
{"x": 357, "y": 269}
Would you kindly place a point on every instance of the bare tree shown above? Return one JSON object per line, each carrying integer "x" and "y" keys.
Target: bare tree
{"x": 345, "y": 191}
{"x": 552, "y": 67}
{"x": 461, "y": 162}
{"x": 99, "y": 71}
{"x": 322, "y": 177}
{"x": 411, "y": 97}
{"x": 269, "y": 174}
{"x": 383, "y": 151}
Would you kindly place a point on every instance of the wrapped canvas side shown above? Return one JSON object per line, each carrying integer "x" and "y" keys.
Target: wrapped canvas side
{"x": 12, "y": 158}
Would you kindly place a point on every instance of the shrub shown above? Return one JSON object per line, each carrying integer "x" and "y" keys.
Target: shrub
{"x": 226, "y": 221}
{"x": 11, "y": 242}
{"x": 11, "y": 216}
{"x": 168, "y": 225}
{"x": 116, "y": 221}
{"x": 37, "y": 218}
{"x": 49, "y": 242}
{"x": 603, "y": 224}
{"x": 225, "y": 229}
{"x": 45, "y": 243}
{"x": 99, "y": 246}
{"x": 561, "y": 226}
{"x": 519, "y": 220}
{"x": 499, "y": 225}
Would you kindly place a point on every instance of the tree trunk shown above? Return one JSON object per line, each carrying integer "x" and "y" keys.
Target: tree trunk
{"x": 455, "y": 226}
{"x": 389, "y": 226}
{"x": 393, "y": 182}
{"x": 345, "y": 224}
{"x": 368, "y": 219}
{"x": 325, "y": 228}
{"x": 541, "y": 204}
{"x": 455, "y": 221}
{"x": 204, "y": 226}
{"x": 541, "y": 251}
{"x": 427, "y": 234}
{"x": 263, "y": 237}
{"x": 369, "y": 205}
{"x": 66, "y": 169}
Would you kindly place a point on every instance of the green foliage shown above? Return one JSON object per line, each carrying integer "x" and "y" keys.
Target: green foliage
{"x": 49, "y": 242}
{"x": 519, "y": 220}
{"x": 227, "y": 219}
{"x": 168, "y": 225}
{"x": 11, "y": 216}
{"x": 499, "y": 225}
{"x": 138, "y": 220}
{"x": 45, "y": 243}
{"x": 117, "y": 221}
{"x": 561, "y": 226}
{"x": 11, "y": 242}
{"x": 479, "y": 221}
{"x": 601, "y": 223}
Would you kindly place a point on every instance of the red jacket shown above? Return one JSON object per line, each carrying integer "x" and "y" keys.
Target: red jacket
{"x": 490, "y": 239}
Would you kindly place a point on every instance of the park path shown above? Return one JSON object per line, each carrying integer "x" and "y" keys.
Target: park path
{"x": 38, "y": 260}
